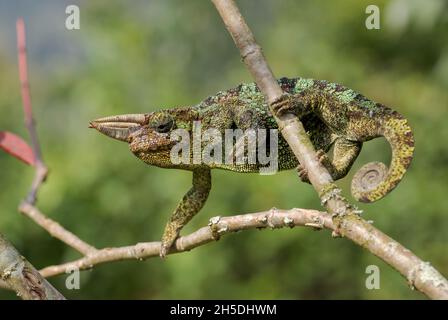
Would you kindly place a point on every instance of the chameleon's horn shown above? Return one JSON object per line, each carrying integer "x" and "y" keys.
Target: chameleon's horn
{"x": 119, "y": 127}
{"x": 111, "y": 130}
{"x": 138, "y": 118}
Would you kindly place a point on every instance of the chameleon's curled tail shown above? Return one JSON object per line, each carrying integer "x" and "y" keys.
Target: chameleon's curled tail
{"x": 373, "y": 181}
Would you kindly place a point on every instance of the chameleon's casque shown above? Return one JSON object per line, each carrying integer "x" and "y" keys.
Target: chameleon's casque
{"x": 332, "y": 114}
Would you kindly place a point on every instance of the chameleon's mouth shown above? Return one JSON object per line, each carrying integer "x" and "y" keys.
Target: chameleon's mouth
{"x": 120, "y": 127}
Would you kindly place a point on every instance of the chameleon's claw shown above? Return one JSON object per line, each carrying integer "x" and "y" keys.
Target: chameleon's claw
{"x": 320, "y": 153}
{"x": 163, "y": 251}
{"x": 169, "y": 238}
{"x": 322, "y": 157}
{"x": 166, "y": 246}
{"x": 283, "y": 105}
{"x": 303, "y": 173}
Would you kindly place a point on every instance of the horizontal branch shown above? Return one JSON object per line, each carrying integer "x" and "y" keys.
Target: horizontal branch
{"x": 217, "y": 227}
{"x": 417, "y": 272}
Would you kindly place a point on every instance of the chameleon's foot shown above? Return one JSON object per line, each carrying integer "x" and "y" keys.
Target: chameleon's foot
{"x": 284, "y": 105}
{"x": 169, "y": 237}
{"x": 163, "y": 250}
{"x": 303, "y": 173}
{"x": 322, "y": 157}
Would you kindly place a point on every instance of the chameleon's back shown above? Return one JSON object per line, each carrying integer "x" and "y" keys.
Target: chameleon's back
{"x": 332, "y": 113}
{"x": 244, "y": 107}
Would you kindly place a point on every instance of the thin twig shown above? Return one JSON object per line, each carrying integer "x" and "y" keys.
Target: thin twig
{"x": 15, "y": 271}
{"x": 424, "y": 277}
{"x": 27, "y": 206}
{"x": 41, "y": 169}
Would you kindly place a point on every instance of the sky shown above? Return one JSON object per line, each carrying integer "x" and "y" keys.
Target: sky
{"x": 47, "y": 36}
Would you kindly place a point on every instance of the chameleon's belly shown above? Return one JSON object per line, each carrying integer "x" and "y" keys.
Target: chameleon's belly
{"x": 286, "y": 164}
{"x": 274, "y": 147}
{"x": 278, "y": 158}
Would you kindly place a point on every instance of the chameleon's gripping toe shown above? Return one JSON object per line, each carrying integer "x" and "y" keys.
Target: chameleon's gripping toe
{"x": 120, "y": 127}
{"x": 165, "y": 246}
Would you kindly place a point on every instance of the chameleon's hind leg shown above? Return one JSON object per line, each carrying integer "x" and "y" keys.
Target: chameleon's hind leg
{"x": 344, "y": 155}
{"x": 190, "y": 204}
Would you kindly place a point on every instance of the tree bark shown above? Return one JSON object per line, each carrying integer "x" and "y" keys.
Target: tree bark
{"x": 22, "y": 277}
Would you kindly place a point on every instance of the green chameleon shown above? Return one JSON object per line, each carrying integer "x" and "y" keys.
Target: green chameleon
{"x": 332, "y": 114}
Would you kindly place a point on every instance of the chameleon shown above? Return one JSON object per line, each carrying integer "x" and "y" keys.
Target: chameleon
{"x": 332, "y": 114}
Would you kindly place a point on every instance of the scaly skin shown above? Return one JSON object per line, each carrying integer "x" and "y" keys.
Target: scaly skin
{"x": 331, "y": 113}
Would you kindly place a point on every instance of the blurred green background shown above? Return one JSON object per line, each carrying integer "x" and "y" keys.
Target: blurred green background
{"x": 139, "y": 56}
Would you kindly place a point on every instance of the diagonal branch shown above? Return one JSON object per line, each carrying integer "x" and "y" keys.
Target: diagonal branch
{"x": 19, "y": 275}
{"x": 344, "y": 215}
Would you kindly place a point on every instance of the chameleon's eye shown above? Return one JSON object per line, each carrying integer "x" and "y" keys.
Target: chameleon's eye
{"x": 165, "y": 127}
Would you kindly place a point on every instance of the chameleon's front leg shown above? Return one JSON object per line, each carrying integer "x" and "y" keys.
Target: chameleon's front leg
{"x": 190, "y": 204}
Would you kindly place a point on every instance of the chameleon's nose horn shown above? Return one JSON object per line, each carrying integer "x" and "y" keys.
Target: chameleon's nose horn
{"x": 120, "y": 127}
{"x": 138, "y": 118}
{"x": 114, "y": 130}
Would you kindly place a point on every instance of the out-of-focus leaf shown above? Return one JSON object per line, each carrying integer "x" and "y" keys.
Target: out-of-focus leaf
{"x": 17, "y": 147}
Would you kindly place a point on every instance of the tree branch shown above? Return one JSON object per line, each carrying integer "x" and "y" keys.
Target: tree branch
{"x": 345, "y": 216}
{"x": 19, "y": 275}
{"x": 417, "y": 272}
{"x": 217, "y": 227}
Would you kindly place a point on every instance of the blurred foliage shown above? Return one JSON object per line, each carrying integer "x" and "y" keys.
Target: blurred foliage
{"x": 140, "y": 56}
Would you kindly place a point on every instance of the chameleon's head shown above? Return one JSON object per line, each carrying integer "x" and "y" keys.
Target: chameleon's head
{"x": 148, "y": 135}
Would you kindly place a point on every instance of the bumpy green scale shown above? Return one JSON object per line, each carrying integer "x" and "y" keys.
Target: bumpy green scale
{"x": 332, "y": 115}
